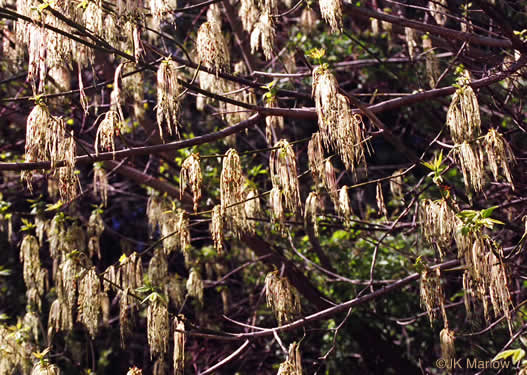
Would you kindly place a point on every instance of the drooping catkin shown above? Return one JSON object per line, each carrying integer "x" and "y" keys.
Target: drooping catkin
{"x": 344, "y": 205}
{"x": 45, "y": 368}
{"x": 195, "y": 285}
{"x": 90, "y": 302}
{"x": 340, "y": 129}
{"x": 470, "y": 158}
{"x": 127, "y": 316}
{"x": 438, "y": 223}
{"x": 499, "y": 155}
{"x": 313, "y": 203}
{"x": 168, "y": 97}
{"x": 249, "y": 14}
{"x": 396, "y": 185}
{"x": 231, "y": 194}
{"x": 331, "y": 11}
{"x": 100, "y": 183}
{"x": 381, "y": 206}
{"x": 463, "y": 118}
{"x": 212, "y": 48}
{"x": 281, "y": 297}
{"x": 282, "y": 169}
{"x": 439, "y": 9}
{"x": 448, "y": 350}
{"x": 105, "y": 137}
{"x": 94, "y": 231}
{"x": 411, "y": 41}
{"x": 179, "y": 346}
{"x": 432, "y": 296}
{"x": 293, "y": 364}
{"x": 190, "y": 175}
{"x": 158, "y": 268}
{"x": 216, "y": 229}
{"x": 263, "y": 35}
{"x": 325, "y": 90}
{"x": 315, "y": 153}
{"x": 330, "y": 182}
{"x": 308, "y": 20}
{"x": 431, "y": 61}
{"x": 158, "y": 327}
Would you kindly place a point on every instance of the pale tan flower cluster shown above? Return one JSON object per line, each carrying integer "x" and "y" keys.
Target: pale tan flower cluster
{"x": 158, "y": 327}
{"x": 253, "y": 207}
{"x": 312, "y": 207}
{"x": 100, "y": 183}
{"x": 212, "y": 48}
{"x": 90, "y": 302}
{"x": 325, "y": 91}
{"x": 231, "y": 193}
{"x": 257, "y": 20}
{"x": 94, "y": 231}
{"x": 330, "y": 182}
{"x": 47, "y": 139}
{"x": 263, "y": 35}
{"x": 168, "y": 97}
{"x": 438, "y": 223}
{"x": 331, "y": 11}
{"x": 315, "y": 153}
{"x": 249, "y": 13}
{"x": 308, "y": 20}
{"x": 35, "y": 276}
{"x": 396, "y": 185}
{"x": 463, "y": 118}
{"x": 16, "y": 353}
{"x": 485, "y": 275}
{"x": 431, "y": 61}
{"x": 179, "y": 346}
{"x": 173, "y": 224}
{"x": 472, "y": 153}
{"x": 45, "y": 368}
{"x": 190, "y": 175}
{"x": 499, "y": 155}
{"x": 109, "y": 126}
{"x": 448, "y": 350}
{"x": 37, "y": 67}
{"x": 293, "y": 364}
{"x": 127, "y": 316}
{"x": 439, "y": 10}
{"x": 381, "y": 206}
{"x": 195, "y": 285}
{"x": 281, "y": 297}
{"x": 175, "y": 230}
{"x": 432, "y": 295}
{"x": 159, "y": 7}
{"x": 344, "y": 205}
{"x": 339, "y": 127}
{"x": 158, "y": 269}
{"x": 471, "y": 160}
{"x": 282, "y": 169}
{"x": 216, "y": 229}
{"x": 411, "y": 41}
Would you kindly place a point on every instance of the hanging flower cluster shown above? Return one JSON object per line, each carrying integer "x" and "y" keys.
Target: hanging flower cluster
{"x": 190, "y": 175}
{"x": 168, "y": 97}
{"x": 282, "y": 169}
{"x": 281, "y": 297}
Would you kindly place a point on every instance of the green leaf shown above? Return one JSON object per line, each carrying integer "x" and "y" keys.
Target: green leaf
{"x": 488, "y": 211}
{"x": 516, "y": 354}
